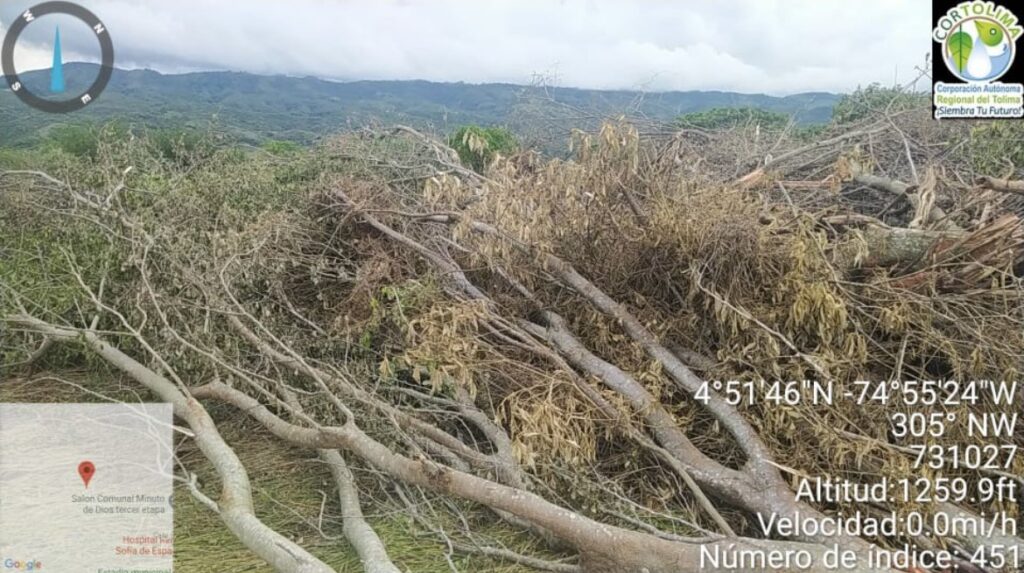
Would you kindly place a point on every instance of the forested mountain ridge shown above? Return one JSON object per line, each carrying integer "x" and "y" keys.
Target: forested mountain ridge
{"x": 301, "y": 109}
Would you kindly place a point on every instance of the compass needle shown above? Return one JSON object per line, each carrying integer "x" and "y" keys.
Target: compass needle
{"x": 57, "y": 71}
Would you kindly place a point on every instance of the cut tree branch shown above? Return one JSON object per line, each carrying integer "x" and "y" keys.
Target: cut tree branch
{"x": 235, "y": 505}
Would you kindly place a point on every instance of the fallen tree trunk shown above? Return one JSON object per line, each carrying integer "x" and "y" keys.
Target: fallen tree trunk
{"x": 970, "y": 258}
{"x": 935, "y": 214}
{"x": 369, "y": 547}
{"x": 603, "y": 548}
{"x": 235, "y": 505}
{"x": 1001, "y": 185}
{"x": 877, "y": 246}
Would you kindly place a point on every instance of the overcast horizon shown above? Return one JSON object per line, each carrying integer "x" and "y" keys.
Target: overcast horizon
{"x": 777, "y": 47}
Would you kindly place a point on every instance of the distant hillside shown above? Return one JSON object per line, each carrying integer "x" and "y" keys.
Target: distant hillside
{"x": 255, "y": 107}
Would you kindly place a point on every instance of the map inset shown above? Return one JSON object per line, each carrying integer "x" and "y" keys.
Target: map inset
{"x": 86, "y": 488}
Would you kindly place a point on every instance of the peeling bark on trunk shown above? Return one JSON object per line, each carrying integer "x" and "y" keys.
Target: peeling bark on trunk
{"x": 949, "y": 260}
{"x": 885, "y": 247}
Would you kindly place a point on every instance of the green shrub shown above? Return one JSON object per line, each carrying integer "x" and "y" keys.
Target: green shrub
{"x": 997, "y": 148}
{"x": 84, "y": 140}
{"x": 874, "y": 99}
{"x": 733, "y": 117}
{"x": 78, "y": 140}
{"x": 180, "y": 146}
{"x": 478, "y": 146}
{"x": 810, "y": 133}
{"x": 11, "y": 158}
{"x": 278, "y": 147}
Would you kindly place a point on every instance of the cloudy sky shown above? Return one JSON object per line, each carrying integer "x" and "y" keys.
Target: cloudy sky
{"x": 769, "y": 46}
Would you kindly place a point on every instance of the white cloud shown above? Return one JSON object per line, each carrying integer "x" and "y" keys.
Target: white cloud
{"x": 772, "y": 46}
{"x": 34, "y": 50}
{"x": 28, "y": 56}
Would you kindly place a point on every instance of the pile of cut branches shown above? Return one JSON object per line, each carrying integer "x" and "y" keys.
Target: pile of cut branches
{"x": 536, "y": 340}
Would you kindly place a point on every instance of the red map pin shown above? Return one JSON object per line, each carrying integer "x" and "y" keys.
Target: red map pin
{"x": 86, "y": 469}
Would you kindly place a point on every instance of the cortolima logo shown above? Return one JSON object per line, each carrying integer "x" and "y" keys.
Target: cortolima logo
{"x": 978, "y": 41}
{"x": 57, "y": 84}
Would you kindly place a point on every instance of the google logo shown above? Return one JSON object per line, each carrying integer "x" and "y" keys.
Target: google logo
{"x": 29, "y": 565}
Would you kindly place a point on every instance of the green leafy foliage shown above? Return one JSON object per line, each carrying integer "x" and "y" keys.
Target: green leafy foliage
{"x": 39, "y": 259}
{"x": 731, "y": 117}
{"x": 997, "y": 148}
{"x": 874, "y": 99}
{"x": 478, "y": 146}
{"x": 183, "y": 147}
{"x": 21, "y": 159}
{"x": 208, "y": 179}
{"x": 82, "y": 140}
{"x": 180, "y": 146}
{"x": 960, "y": 46}
{"x": 78, "y": 140}
{"x": 278, "y": 147}
{"x": 810, "y": 133}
